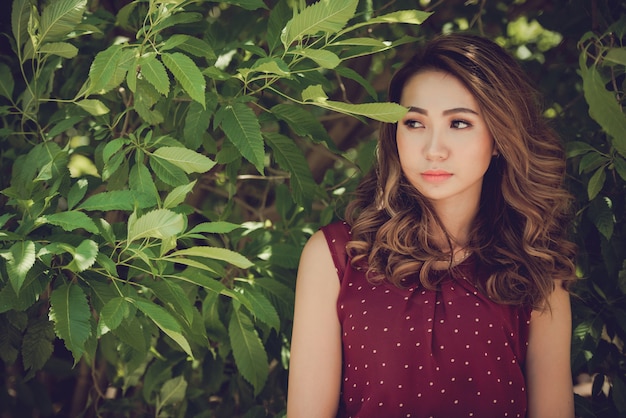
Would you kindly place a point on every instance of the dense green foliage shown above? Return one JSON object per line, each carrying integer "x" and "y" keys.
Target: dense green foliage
{"x": 163, "y": 162}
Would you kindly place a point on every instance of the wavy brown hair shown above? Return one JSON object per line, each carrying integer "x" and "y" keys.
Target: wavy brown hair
{"x": 519, "y": 233}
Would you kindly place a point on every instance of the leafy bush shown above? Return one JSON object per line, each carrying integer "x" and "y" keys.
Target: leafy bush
{"x": 172, "y": 308}
{"x": 162, "y": 164}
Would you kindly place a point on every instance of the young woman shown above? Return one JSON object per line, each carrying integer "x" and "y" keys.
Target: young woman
{"x": 442, "y": 294}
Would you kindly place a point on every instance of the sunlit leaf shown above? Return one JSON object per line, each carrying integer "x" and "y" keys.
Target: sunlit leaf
{"x": 93, "y": 106}
{"x": 216, "y": 227}
{"x": 215, "y": 253}
{"x": 109, "y": 68}
{"x": 62, "y": 49}
{"x": 187, "y": 160}
{"x": 412, "y": 17}
{"x": 70, "y": 221}
{"x": 59, "y": 18}
{"x": 178, "y": 195}
{"x": 84, "y": 256}
{"x": 20, "y": 259}
{"x": 114, "y": 312}
{"x": 20, "y": 15}
{"x": 154, "y": 72}
{"x": 327, "y": 16}
{"x": 187, "y": 74}
{"x": 323, "y": 58}
{"x": 159, "y": 223}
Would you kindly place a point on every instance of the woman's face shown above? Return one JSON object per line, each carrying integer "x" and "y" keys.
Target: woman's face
{"x": 443, "y": 142}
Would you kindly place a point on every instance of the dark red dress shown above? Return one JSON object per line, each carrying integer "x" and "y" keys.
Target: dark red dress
{"x": 412, "y": 352}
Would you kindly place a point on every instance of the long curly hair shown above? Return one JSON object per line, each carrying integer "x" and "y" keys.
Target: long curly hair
{"x": 519, "y": 235}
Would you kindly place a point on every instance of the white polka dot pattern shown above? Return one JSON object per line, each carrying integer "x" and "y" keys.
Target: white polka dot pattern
{"x": 414, "y": 353}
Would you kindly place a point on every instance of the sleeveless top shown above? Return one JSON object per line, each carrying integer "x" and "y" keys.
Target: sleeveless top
{"x": 412, "y": 352}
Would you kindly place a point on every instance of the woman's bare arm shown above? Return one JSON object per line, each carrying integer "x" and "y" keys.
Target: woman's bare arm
{"x": 548, "y": 368}
{"x": 315, "y": 364}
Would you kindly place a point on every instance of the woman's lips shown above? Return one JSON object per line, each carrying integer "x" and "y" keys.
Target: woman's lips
{"x": 436, "y": 176}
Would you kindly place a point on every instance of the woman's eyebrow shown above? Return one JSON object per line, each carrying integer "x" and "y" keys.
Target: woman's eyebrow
{"x": 445, "y": 112}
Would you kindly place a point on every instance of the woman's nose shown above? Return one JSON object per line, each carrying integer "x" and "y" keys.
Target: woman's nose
{"x": 435, "y": 148}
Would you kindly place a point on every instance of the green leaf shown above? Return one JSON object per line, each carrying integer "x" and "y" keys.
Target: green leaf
{"x": 154, "y": 72}
{"x": 412, "y": 17}
{"x": 217, "y": 227}
{"x": 172, "y": 392}
{"x": 70, "y": 221}
{"x": 59, "y": 18}
{"x": 197, "y": 122}
{"x": 168, "y": 172}
{"x": 576, "y": 148}
{"x": 272, "y": 65}
{"x": 596, "y": 182}
{"x": 172, "y": 295}
{"x": 165, "y": 321}
{"x": 327, "y": 16}
{"x": 291, "y": 158}
{"x": 20, "y": 16}
{"x": 76, "y": 193}
{"x": 353, "y": 75}
{"x": 603, "y": 107}
{"x": 620, "y": 167}
{"x": 187, "y": 160}
{"x": 146, "y": 97}
{"x": 194, "y": 46}
{"x": 70, "y": 313}
{"x": 323, "y": 58}
{"x": 601, "y": 215}
{"x": 93, "y": 106}
{"x": 37, "y": 344}
{"x": 159, "y": 223}
{"x": 178, "y": 195}
{"x": 215, "y": 253}
{"x": 616, "y": 56}
{"x": 384, "y": 112}
{"x": 109, "y": 68}
{"x": 114, "y": 312}
{"x": 105, "y": 201}
{"x": 303, "y": 123}
{"x": 108, "y": 264}
{"x": 371, "y": 42}
{"x": 62, "y": 49}
{"x": 6, "y": 82}
{"x": 84, "y": 256}
{"x": 247, "y": 4}
{"x": 242, "y": 128}
{"x": 187, "y": 74}
{"x": 140, "y": 180}
{"x": 248, "y": 350}
{"x": 262, "y": 309}
{"x": 20, "y": 259}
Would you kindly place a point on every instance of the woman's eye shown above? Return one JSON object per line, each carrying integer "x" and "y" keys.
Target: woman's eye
{"x": 460, "y": 124}
{"x": 413, "y": 124}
